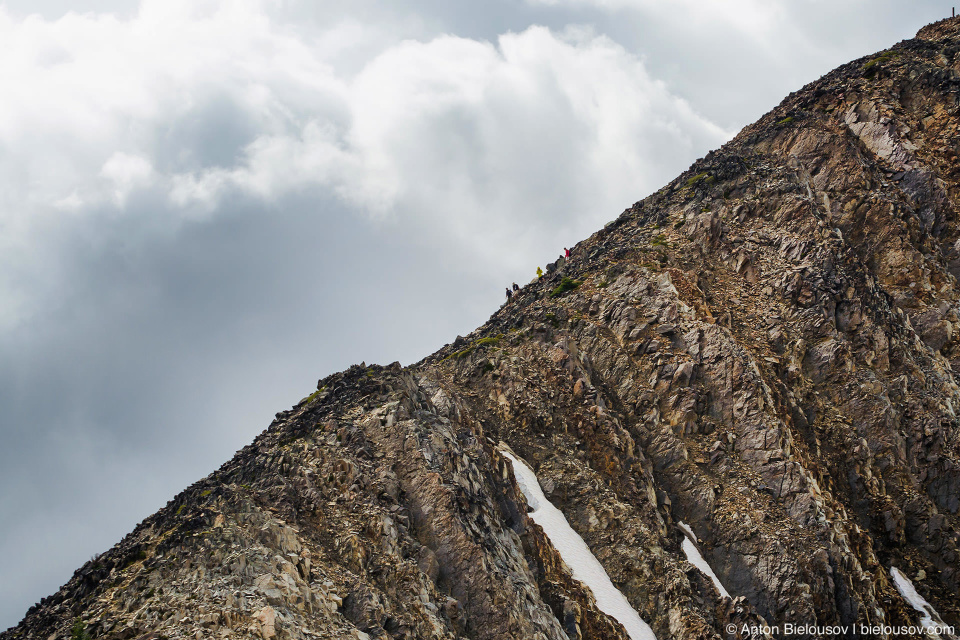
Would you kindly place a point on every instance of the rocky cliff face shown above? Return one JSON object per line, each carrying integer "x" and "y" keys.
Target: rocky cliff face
{"x": 766, "y": 349}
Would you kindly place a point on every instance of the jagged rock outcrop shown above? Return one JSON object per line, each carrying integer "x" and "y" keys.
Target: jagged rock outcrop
{"x": 766, "y": 349}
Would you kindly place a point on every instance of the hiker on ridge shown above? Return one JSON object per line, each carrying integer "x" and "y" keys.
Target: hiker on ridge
{"x": 516, "y": 287}
{"x": 539, "y": 273}
{"x": 508, "y": 294}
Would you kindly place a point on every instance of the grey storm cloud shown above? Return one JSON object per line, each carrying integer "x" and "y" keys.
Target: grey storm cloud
{"x": 206, "y": 206}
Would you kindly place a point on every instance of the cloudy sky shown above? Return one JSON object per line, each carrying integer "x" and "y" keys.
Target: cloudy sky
{"x": 207, "y": 205}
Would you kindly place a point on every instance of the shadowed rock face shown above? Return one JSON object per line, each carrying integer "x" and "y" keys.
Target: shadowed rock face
{"x": 765, "y": 349}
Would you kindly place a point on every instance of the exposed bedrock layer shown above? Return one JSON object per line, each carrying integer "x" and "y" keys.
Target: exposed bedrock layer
{"x": 766, "y": 349}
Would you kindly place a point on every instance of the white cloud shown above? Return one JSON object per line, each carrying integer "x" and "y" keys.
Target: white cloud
{"x": 483, "y": 144}
{"x": 745, "y": 15}
{"x": 497, "y": 153}
{"x": 126, "y": 172}
{"x": 81, "y": 89}
{"x": 772, "y": 26}
{"x": 736, "y": 59}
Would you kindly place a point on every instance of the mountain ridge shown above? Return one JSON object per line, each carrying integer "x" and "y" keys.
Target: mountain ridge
{"x": 764, "y": 349}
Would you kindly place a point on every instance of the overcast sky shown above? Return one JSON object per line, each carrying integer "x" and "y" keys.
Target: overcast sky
{"x": 206, "y": 205}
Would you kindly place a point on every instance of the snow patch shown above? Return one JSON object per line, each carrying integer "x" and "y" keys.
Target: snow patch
{"x": 929, "y": 617}
{"x": 695, "y": 558}
{"x": 577, "y": 555}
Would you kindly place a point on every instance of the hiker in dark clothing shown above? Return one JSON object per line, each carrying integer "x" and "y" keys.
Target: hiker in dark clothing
{"x": 508, "y": 294}
{"x": 516, "y": 287}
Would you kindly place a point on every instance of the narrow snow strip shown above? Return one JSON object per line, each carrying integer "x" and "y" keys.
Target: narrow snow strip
{"x": 575, "y": 552}
{"x": 687, "y": 530}
{"x": 696, "y": 559}
{"x": 929, "y": 617}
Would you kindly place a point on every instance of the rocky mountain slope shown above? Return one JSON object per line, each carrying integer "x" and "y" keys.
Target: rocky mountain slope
{"x": 767, "y": 349}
